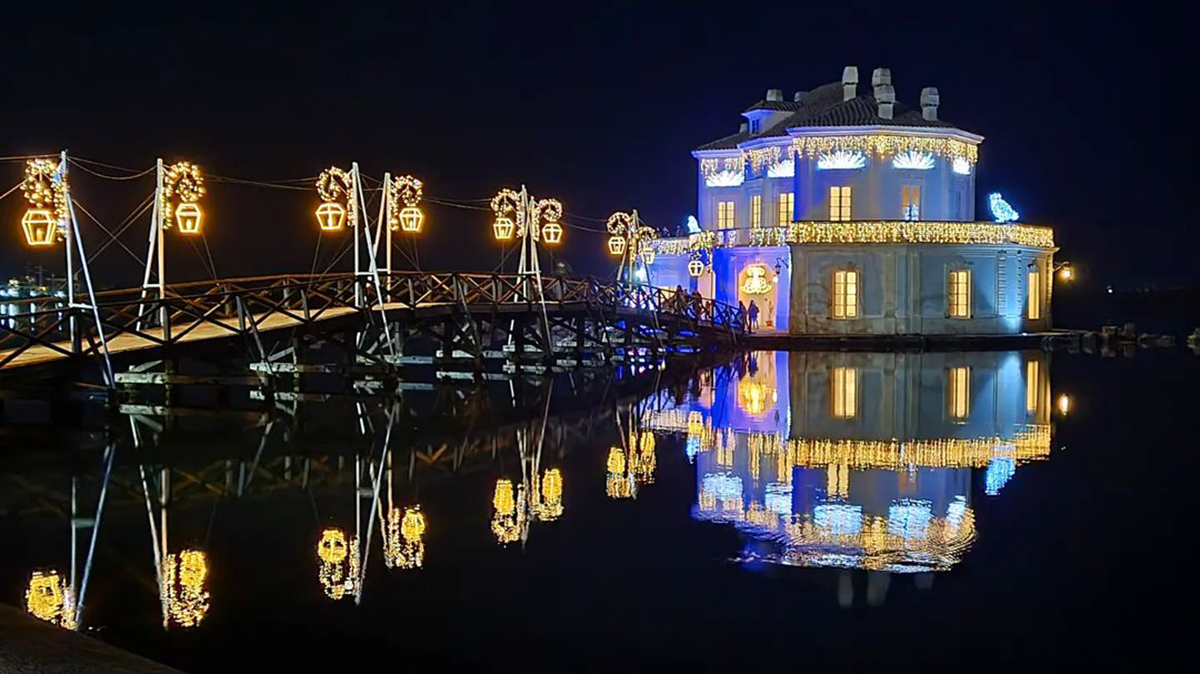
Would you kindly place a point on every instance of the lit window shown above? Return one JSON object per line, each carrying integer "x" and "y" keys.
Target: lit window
{"x": 844, "y": 382}
{"x": 958, "y": 293}
{"x": 910, "y": 202}
{"x": 1032, "y": 384}
{"x": 839, "y": 203}
{"x": 755, "y": 125}
{"x": 958, "y": 392}
{"x": 845, "y": 293}
{"x": 787, "y": 204}
{"x": 724, "y": 215}
{"x": 756, "y": 211}
{"x": 1035, "y": 295}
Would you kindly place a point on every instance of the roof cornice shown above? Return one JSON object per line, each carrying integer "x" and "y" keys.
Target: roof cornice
{"x": 883, "y": 130}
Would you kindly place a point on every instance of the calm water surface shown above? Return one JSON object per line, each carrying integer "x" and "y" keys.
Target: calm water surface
{"x": 869, "y": 508}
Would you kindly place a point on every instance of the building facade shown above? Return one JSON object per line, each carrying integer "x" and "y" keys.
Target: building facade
{"x": 841, "y": 213}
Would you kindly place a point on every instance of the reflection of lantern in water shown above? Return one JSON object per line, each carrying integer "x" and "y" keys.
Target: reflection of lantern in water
{"x": 340, "y": 563}
{"x": 185, "y": 601}
{"x": 618, "y": 484}
{"x": 402, "y": 545}
{"x": 504, "y": 521}
{"x": 642, "y": 466}
{"x": 548, "y": 506}
{"x": 1064, "y": 404}
{"x": 49, "y": 598}
{"x": 752, "y": 397}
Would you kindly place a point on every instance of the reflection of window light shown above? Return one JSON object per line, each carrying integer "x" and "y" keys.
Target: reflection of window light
{"x": 959, "y": 392}
{"x": 999, "y": 471}
{"x": 908, "y": 518}
{"x": 844, "y": 381}
{"x": 784, "y": 169}
{"x": 841, "y": 159}
{"x": 961, "y": 166}
{"x": 726, "y": 178}
{"x": 752, "y": 397}
{"x": 779, "y": 498}
{"x": 838, "y": 519}
{"x": 1032, "y": 384}
{"x": 913, "y": 159}
{"x": 723, "y": 487}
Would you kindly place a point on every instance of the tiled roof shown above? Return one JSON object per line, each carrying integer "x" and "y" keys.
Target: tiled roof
{"x": 824, "y": 107}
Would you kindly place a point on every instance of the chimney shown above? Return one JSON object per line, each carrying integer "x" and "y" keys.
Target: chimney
{"x": 799, "y": 96}
{"x": 880, "y": 77}
{"x": 849, "y": 83}
{"x": 885, "y": 96}
{"x": 929, "y": 103}
{"x": 743, "y": 127}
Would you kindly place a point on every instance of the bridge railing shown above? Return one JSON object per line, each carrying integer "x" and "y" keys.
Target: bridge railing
{"x": 237, "y": 306}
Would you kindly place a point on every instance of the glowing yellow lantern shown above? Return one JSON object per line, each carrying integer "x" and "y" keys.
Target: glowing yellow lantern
{"x": 647, "y": 255}
{"x": 695, "y": 268}
{"x": 1066, "y": 272}
{"x": 503, "y": 228}
{"x": 1064, "y": 404}
{"x": 331, "y": 216}
{"x": 187, "y": 218}
{"x": 616, "y": 244}
{"x": 40, "y": 227}
{"x": 333, "y": 548}
{"x": 411, "y": 219}
{"x": 552, "y": 233}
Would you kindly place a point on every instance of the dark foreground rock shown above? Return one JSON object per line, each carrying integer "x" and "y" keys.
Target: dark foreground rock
{"x": 28, "y": 645}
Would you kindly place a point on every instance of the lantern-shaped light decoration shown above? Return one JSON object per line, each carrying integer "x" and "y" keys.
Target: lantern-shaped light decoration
{"x": 550, "y": 211}
{"x": 335, "y": 187}
{"x": 620, "y": 227}
{"x": 185, "y": 601}
{"x": 647, "y": 253}
{"x": 406, "y": 190}
{"x": 504, "y": 203}
{"x": 550, "y": 505}
{"x": 616, "y": 245}
{"x": 618, "y": 484}
{"x": 183, "y": 182}
{"x": 695, "y": 268}
{"x": 340, "y": 563}
{"x": 45, "y": 190}
{"x": 49, "y": 598}
{"x": 507, "y": 509}
{"x": 331, "y": 216}
{"x": 402, "y": 545}
{"x": 40, "y": 227}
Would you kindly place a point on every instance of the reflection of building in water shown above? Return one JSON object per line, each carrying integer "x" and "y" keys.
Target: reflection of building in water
{"x": 863, "y": 459}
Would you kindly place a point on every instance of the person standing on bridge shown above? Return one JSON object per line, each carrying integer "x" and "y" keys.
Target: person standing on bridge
{"x": 753, "y": 316}
{"x": 697, "y": 303}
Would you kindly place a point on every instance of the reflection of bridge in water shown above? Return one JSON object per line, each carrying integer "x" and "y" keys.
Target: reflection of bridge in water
{"x": 863, "y": 459}
{"x": 463, "y": 324}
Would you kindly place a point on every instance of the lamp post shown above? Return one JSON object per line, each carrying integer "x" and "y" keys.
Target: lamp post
{"x": 630, "y": 240}
{"x": 530, "y": 220}
{"x": 399, "y": 211}
{"x": 180, "y": 185}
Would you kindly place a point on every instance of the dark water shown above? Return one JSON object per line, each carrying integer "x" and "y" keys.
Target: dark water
{"x": 785, "y": 510}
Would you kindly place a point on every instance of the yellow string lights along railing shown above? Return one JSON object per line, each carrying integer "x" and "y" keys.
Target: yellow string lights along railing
{"x": 45, "y": 189}
{"x": 403, "y": 546}
{"x": 182, "y": 181}
{"x": 508, "y": 508}
{"x": 336, "y": 189}
{"x": 405, "y": 190}
{"x": 184, "y": 597}
{"x": 50, "y": 598}
{"x": 340, "y": 562}
{"x": 507, "y": 204}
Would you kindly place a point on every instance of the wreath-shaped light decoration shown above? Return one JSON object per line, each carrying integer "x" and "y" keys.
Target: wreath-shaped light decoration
{"x": 405, "y": 190}
{"x": 549, "y": 212}
{"x": 183, "y": 182}
{"x": 505, "y": 202}
{"x": 619, "y": 226}
{"x": 336, "y": 189}
{"x": 45, "y": 190}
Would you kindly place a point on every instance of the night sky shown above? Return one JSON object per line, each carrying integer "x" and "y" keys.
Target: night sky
{"x": 597, "y": 104}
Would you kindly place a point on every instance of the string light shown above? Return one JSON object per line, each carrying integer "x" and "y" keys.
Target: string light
{"x": 1001, "y": 211}
{"x": 549, "y": 210}
{"x": 406, "y": 190}
{"x": 182, "y": 180}
{"x": 402, "y": 546}
{"x": 336, "y": 189}
{"x": 50, "y": 598}
{"x": 756, "y": 282}
{"x": 45, "y": 189}
{"x": 885, "y": 146}
{"x": 548, "y": 504}
{"x": 616, "y": 245}
{"x": 841, "y": 160}
{"x": 340, "y": 562}
{"x": 618, "y": 484}
{"x": 914, "y": 160}
{"x": 871, "y": 232}
{"x": 505, "y": 202}
{"x": 506, "y": 507}
{"x": 184, "y": 598}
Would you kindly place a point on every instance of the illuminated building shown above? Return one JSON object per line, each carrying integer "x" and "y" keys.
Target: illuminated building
{"x": 867, "y": 207}
{"x": 889, "y": 487}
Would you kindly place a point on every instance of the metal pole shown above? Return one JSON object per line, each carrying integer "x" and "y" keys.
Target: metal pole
{"x": 69, "y": 240}
{"x": 87, "y": 567}
{"x": 358, "y": 225}
{"x": 73, "y": 227}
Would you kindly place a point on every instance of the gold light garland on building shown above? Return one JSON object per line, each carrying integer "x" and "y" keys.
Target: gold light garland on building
{"x": 184, "y": 597}
{"x": 46, "y": 192}
{"x": 763, "y": 157}
{"x": 50, "y": 598}
{"x": 713, "y": 165}
{"x": 886, "y": 145}
{"x": 877, "y": 231}
{"x": 182, "y": 181}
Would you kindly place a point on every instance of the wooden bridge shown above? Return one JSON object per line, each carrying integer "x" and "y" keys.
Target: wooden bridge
{"x": 465, "y": 325}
